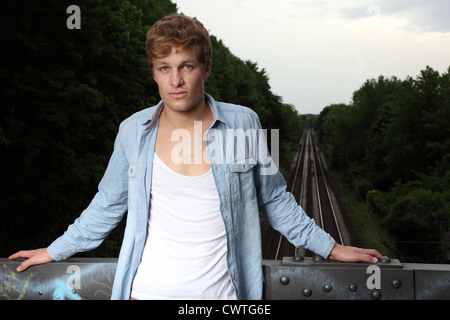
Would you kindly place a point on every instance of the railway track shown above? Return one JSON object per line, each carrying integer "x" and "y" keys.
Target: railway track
{"x": 308, "y": 181}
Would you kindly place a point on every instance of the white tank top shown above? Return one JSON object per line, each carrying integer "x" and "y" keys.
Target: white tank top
{"x": 185, "y": 256}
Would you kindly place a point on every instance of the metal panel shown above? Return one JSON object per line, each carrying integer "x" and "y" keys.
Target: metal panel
{"x": 325, "y": 280}
{"x": 290, "y": 279}
{"x": 73, "y": 279}
{"x": 431, "y": 281}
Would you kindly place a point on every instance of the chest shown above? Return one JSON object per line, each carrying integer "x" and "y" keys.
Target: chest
{"x": 183, "y": 151}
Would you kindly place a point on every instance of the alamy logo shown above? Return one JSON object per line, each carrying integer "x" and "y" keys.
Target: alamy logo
{"x": 74, "y": 20}
{"x": 374, "y": 280}
{"x": 74, "y": 280}
{"x": 374, "y": 21}
{"x": 226, "y": 147}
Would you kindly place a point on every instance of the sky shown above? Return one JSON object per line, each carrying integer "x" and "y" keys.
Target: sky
{"x": 317, "y": 52}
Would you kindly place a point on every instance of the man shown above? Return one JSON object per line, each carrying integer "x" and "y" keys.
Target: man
{"x": 193, "y": 222}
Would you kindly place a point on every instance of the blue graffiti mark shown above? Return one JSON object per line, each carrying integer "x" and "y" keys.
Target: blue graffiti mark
{"x": 62, "y": 292}
{"x": 17, "y": 286}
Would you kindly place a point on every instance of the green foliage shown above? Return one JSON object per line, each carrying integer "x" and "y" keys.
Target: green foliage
{"x": 64, "y": 95}
{"x": 395, "y": 138}
{"x": 242, "y": 82}
{"x": 415, "y": 211}
{"x": 65, "y": 92}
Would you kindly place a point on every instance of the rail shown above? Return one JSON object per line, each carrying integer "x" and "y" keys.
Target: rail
{"x": 308, "y": 181}
{"x": 324, "y": 197}
{"x": 287, "y": 279}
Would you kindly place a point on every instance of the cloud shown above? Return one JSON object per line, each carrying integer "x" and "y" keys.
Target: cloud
{"x": 317, "y": 52}
{"x": 421, "y": 16}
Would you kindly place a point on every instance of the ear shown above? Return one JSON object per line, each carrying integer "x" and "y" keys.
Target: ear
{"x": 207, "y": 70}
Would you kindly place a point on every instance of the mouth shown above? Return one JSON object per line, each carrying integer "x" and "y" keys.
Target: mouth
{"x": 178, "y": 95}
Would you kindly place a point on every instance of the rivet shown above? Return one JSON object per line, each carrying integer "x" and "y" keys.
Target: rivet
{"x": 285, "y": 280}
{"x": 396, "y": 284}
{"x": 317, "y": 258}
{"x": 376, "y": 295}
{"x": 307, "y": 292}
{"x": 298, "y": 258}
{"x": 352, "y": 287}
{"x": 385, "y": 259}
{"x": 40, "y": 293}
{"x": 327, "y": 287}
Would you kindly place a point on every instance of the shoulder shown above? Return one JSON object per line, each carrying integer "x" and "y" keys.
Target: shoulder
{"x": 140, "y": 117}
{"x": 132, "y": 128}
{"x": 237, "y": 115}
{"x": 235, "y": 108}
{"x": 139, "y": 120}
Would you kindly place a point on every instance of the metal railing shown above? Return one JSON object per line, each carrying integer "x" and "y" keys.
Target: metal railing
{"x": 318, "y": 279}
{"x": 288, "y": 279}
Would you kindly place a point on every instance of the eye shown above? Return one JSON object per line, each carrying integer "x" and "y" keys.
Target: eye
{"x": 164, "y": 69}
{"x": 188, "y": 67}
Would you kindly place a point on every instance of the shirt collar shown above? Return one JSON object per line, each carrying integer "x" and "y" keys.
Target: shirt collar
{"x": 150, "y": 123}
{"x": 217, "y": 115}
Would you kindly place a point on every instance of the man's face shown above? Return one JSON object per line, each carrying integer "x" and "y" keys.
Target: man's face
{"x": 180, "y": 78}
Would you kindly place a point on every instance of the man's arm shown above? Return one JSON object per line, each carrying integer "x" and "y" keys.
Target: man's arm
{"x": 284, "y": 214}
{"x": 34, "y": 257}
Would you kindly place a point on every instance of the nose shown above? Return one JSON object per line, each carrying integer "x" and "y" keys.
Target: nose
{"x": 176, "y": 79}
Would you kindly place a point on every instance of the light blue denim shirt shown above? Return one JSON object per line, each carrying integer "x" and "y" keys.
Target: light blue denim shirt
{"x": 246, "y": 180}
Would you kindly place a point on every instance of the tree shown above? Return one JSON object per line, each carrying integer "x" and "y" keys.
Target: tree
{"x": 395, "y": 138}
{"x": 65, "y": 92}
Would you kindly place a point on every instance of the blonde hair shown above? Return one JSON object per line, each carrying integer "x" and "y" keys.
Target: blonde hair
{"x": 177, "y": 30}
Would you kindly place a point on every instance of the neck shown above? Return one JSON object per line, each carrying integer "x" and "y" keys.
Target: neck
{"x": 186, "y": 119}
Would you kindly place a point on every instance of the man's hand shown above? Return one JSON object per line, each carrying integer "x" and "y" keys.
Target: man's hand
{"x": 353, "y": 254}
{"x": 34, "y": 257}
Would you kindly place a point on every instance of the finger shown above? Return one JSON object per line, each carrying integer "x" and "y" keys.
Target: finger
{"x": 23, "y": 266}
{"x": 20, "y": 254}
{"x": 14, "y": 256}
{"x": 370, "y": 252}
{"x": 375, "y": 253}
{"x": 368, "y": 255}
{"x": 371, "y": 259}
{"x": 33, "y": 260}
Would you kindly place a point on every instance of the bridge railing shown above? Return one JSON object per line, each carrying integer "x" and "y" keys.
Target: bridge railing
{"x": 328, "y": 280}
{"x": 287, "y": 279}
